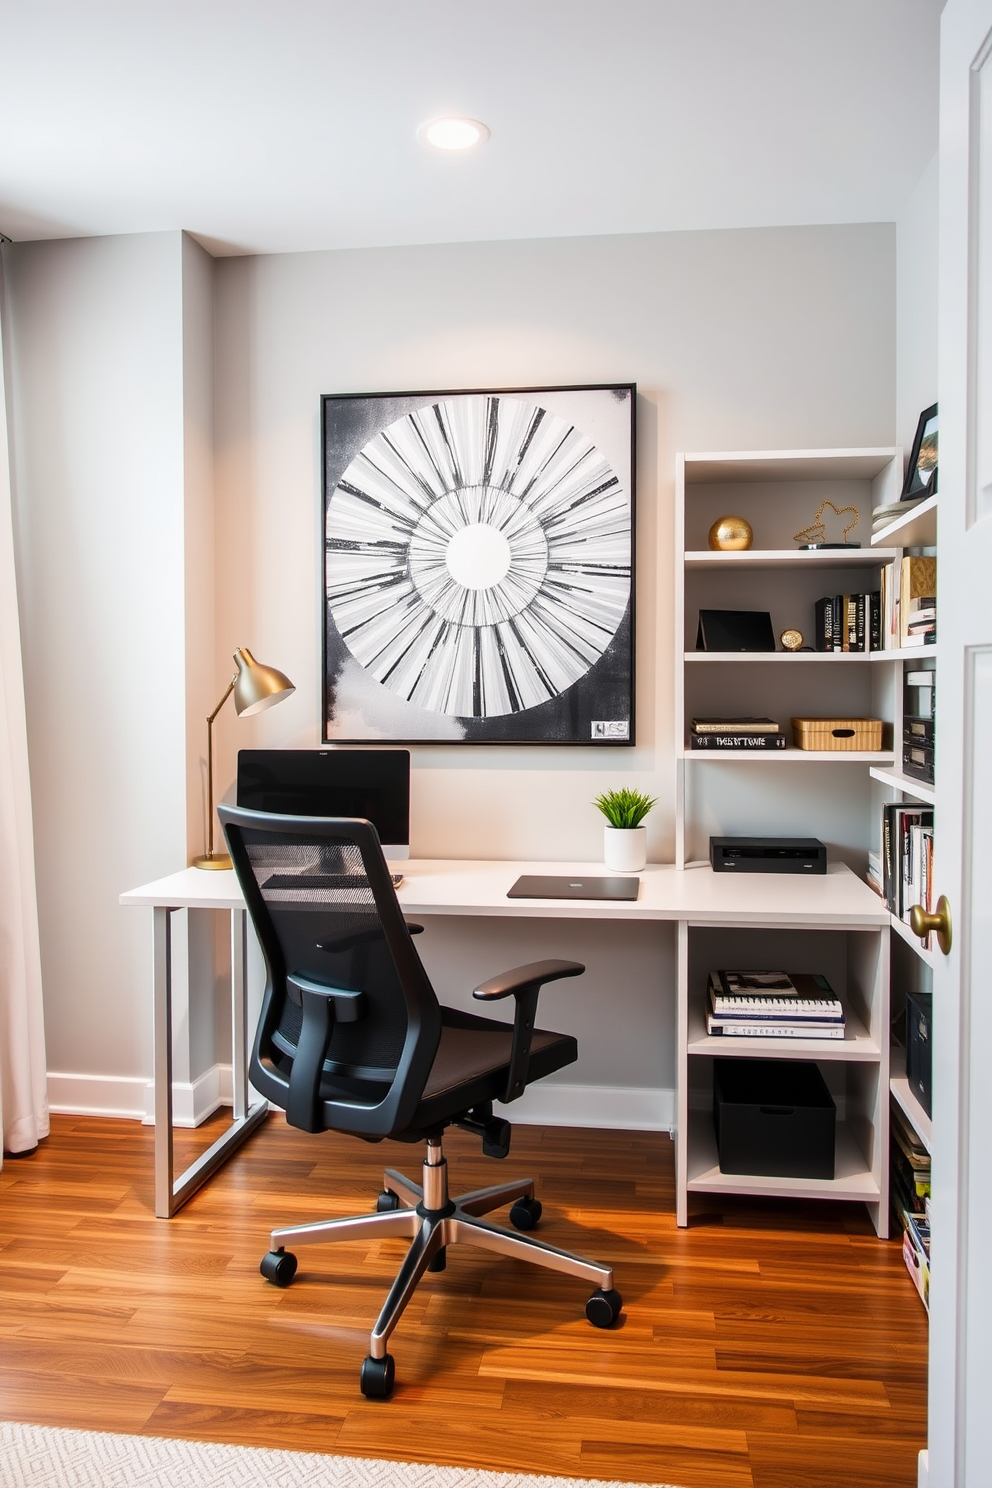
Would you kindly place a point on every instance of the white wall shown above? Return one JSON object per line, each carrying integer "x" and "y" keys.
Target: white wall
{"x": 916, "y": 306}
{"x": 111, "y": 417}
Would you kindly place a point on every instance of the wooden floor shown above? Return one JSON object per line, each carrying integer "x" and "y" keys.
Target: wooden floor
{"x": 767, "y": 1346}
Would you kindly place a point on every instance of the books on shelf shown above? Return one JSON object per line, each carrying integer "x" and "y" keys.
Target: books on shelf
{"x": 917, "y": 601}
{"x": 911, "y": 1199}
{"x": 848, "y": 622}
{"x": 773, "y": 1004}
{"x": 736, "y": 733}
{"x": 907, "y": 857}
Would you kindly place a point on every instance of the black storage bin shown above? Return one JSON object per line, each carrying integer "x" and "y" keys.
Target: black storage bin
{"x": 774, "y": 1118}
{"x": 919, "y": 1046}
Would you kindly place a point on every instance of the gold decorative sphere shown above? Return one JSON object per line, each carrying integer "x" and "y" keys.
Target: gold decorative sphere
{"x": 791, "y": 639}
{"x": 730, "y": 534}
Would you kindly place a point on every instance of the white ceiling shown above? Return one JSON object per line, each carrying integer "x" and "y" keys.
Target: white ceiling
{"x": 281, "y": 125}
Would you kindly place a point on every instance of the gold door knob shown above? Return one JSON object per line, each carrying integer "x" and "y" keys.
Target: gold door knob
{"x": 939, "y": 922}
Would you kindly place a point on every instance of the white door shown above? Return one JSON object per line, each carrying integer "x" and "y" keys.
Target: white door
{"x": 960, "y": 1430}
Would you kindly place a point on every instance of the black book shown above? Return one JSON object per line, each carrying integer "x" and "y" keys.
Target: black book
{"x": 859, "y": 621}
{"x": 715, "y": 742}
{"x": 823, "y": 611}
{"x": 875, "y": 620}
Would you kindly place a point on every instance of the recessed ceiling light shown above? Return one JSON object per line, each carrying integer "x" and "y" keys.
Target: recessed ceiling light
{"x": 453, "y": 133}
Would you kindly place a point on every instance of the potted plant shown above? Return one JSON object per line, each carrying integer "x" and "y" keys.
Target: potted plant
{"x": 625, "y": 840}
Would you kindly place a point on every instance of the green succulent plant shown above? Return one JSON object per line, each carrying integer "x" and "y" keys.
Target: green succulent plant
{"x": 624, "y": 808}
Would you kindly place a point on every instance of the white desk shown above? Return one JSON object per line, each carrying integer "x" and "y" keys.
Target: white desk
{"x": 690, "y": 896}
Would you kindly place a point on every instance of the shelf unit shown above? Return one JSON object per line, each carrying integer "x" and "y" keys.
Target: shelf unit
{"x": 778, "y": 492}
{"x": 852, "y": 950}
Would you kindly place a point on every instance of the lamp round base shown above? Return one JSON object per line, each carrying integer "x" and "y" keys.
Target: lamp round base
{"x": 215, "y": 860}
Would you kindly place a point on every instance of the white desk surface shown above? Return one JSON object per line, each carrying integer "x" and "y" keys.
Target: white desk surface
{"x": 465, "y": 887}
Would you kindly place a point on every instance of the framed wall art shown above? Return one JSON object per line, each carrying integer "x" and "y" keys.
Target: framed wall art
{"x": 479, "y": 566}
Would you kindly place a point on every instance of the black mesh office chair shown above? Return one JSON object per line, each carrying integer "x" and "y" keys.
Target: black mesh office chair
{"x": 351, "y": 1038}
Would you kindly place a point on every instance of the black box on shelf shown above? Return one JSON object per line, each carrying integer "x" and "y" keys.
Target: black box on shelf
{"x": 918, "y": 763}
{"x": 767, "y": 855}
{"x": 919, "y": 1046}
{"x": 774, "y": 1118}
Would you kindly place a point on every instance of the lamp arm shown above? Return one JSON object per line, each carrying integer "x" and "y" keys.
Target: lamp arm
{"x": 210, "y": 768}
{"x": 230, "y": 689}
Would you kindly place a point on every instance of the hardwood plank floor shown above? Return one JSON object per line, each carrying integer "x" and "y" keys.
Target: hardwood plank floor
{"x": 770, "y": 1345}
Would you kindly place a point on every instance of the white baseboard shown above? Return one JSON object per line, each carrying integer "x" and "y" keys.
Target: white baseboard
{"x": 546, "y": 1104}
{"x": 923, "y": 1469}
{"x": 133, "y": 1097}
{"x": 97, "y": 1095}
{"x": 193, "y": 1101}
{"x": 602, "y": 1106}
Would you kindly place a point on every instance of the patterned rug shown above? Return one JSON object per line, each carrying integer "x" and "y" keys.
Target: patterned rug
{"x": 49, "y": 1457}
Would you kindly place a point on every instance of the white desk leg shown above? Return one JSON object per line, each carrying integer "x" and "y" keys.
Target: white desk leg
{"x": 162, "y": 1039}
{"x": 171, "y": 1192}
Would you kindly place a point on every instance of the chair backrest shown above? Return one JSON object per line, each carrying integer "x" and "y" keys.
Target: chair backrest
{"x": 325, "y": 911}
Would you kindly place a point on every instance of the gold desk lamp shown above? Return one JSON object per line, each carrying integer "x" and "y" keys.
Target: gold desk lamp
{"x": 255, "y": 688}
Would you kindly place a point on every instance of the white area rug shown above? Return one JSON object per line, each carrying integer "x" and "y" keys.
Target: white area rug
{"x": 49, "y": 1457}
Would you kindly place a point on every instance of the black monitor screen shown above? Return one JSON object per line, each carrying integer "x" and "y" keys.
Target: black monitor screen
{"x": 370, "y": 783}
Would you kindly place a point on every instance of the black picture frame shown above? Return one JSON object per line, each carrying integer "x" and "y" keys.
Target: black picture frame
{"x": 478, "y": 578}
{"x": 921, "y": 472}
{"x": 735, "y": 630}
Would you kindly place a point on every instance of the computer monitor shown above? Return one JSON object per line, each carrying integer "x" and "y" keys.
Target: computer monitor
{"x": 370, "y": 783}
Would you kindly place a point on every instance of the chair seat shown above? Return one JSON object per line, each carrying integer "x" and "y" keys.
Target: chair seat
{"x": 472, "y": 1063}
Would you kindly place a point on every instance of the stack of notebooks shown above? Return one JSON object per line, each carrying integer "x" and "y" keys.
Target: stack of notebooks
{"x": 736, "y": 733}
{"x": 773, "y": 1004}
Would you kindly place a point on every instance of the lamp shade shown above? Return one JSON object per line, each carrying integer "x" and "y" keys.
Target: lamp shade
{"x": 257, "y": 686}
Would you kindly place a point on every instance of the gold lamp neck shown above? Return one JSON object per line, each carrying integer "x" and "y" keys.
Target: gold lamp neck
{"x": 255, "y": 687}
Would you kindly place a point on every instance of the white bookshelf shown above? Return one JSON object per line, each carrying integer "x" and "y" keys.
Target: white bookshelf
{"x": 778, "y": 492}
{"x": 904, "y": 1098}
{"x": 917, "y": 529}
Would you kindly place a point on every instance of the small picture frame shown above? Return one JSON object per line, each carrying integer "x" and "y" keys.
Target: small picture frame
{"x": 921, "y": 473}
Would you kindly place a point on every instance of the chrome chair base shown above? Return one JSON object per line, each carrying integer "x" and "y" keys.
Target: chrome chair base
{"x": 424, "y": 1214}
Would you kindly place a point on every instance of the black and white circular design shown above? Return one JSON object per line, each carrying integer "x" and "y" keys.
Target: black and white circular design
{"x": 478, "y": 556}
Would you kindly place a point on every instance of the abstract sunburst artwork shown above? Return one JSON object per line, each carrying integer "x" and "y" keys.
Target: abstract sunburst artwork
{"x": 478, "y": 566}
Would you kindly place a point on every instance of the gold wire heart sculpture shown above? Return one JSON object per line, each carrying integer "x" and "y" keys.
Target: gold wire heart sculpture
{"x": 816, "y": 532}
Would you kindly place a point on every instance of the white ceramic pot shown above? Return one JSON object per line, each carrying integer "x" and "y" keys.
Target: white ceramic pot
{"x": 625, "y": 849}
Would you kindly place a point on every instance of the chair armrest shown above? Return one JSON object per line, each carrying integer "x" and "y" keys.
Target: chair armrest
{"x": 322, "y": 1007}
{"x": 534, "y": 974}
{"x": 525, "y": 983}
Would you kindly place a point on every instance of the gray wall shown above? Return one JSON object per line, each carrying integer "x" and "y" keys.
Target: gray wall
{"x": 738, "y": 339}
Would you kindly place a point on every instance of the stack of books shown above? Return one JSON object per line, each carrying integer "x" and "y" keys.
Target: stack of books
{"x": 736, "y": 733}
{"x": 911, "y": 1199}
{"x": 848, "y": 622}
{"x": 909, "y": 603}
{"x": 773, "y": 1004}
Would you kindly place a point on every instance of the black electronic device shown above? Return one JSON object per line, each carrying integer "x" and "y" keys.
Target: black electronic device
{"x": 735, "y": 630}
{"x": 372, "y": 784}
{"x": 767, "y": 855}
{"x": 774, "y": 1118}
{"x": 919, "y": 1046}
{"x": 572, "y": 886}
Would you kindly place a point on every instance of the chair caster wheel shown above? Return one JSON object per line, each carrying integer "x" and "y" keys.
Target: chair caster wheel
{"x": 378, "y": 1377}
{"x": 385, "y": 1203}
{"x": 525, "y": 1213}
{"x": 603, "y": 1308}
{"x": 279, "y": 1267}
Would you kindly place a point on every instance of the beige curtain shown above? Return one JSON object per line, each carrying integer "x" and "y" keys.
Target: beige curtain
{"x": 23, "y": 1081}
